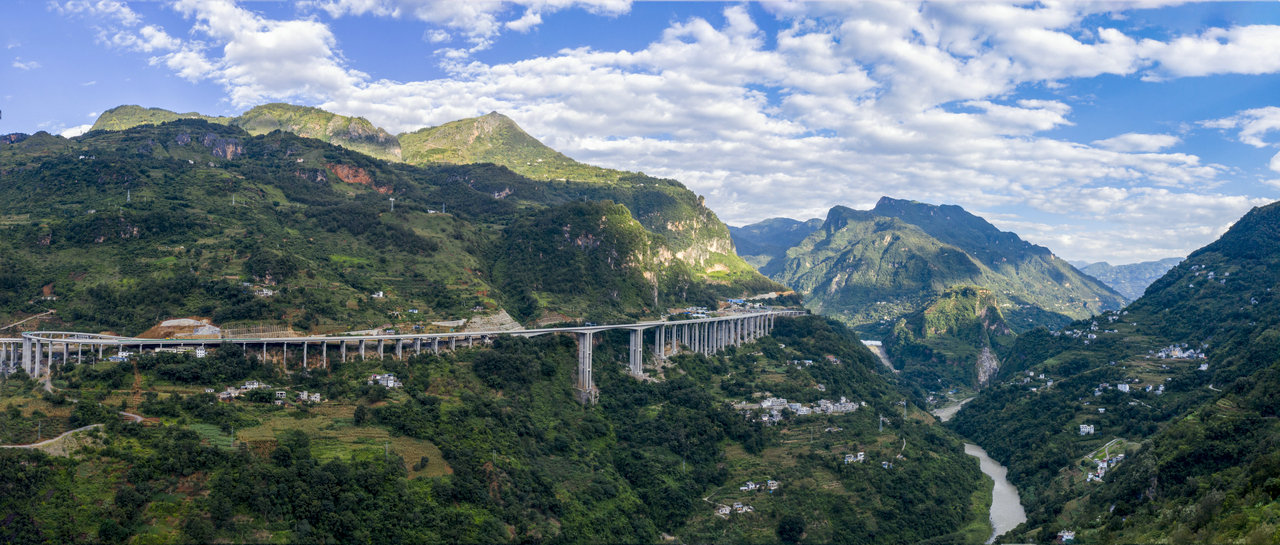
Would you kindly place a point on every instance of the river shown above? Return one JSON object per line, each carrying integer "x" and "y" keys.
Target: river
{"x": 1006, "y": 506}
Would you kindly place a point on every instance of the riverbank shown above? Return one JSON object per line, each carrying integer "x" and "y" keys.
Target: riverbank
{"x": 1006, "y": 505}
{"x": 945, "y": 412}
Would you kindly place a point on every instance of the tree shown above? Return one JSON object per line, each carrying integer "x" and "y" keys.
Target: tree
{"x": 790, "y": 528}
{"x": 361, "y": 416}
{"x": 197, "y": 530}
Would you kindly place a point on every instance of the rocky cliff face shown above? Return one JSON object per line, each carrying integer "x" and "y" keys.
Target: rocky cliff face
{"x": 988, "y": 366}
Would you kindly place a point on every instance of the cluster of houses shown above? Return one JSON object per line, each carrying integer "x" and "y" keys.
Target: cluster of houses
{"x": 258, "y": 291}
{"x": 689, "y": 312}
{"x": 751, "y": 486}
{"x": 233, "y": 392}
{"x": 775, "y": 406}
{"x": 1032, "y": 376}
{"x": 1210, "y": 275}
{"x": 800, "y": 364}
{"x": 738, "y": 507}
{"x": 855, "y": 459}
{"x": 1129, "y": 388}
{"x": 386, "y": 381}
{"x": 1176, "y": 352}
{"x": 1086, "y": 429}
{"x": 1103, "y": 465}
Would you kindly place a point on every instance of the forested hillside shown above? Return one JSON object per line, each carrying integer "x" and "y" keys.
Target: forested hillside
{"x": 488, "y": 445}
{"x": 1183, "y": 382}
{"x": 690, "y": 232}
{"x": 943, "y": 289}
{"x": 117, "y": 230}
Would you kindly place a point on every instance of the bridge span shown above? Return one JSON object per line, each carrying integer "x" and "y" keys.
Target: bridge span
{"x": 35, "y": 351}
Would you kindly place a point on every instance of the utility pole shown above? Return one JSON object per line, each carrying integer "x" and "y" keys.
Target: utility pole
{"x": 393, "y": 204}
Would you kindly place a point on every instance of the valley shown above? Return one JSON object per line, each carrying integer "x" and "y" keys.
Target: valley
{"x": 566, "y": 354}
{"x": 465, "y": 332}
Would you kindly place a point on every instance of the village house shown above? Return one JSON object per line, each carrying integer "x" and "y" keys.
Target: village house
{"x": 386, "y": 381}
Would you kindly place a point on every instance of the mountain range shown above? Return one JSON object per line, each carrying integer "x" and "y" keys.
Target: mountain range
{"x": 1132, "y": 279}
{"x": 318, "y": 210}
{"x": 939, "y": 286}
{"x": 870, "y": 267}
{"x": 289, "y": 217}
{"x": 1182, "y": 382}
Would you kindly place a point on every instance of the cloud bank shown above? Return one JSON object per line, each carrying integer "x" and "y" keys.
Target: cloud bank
{"x": 843, "y": 103}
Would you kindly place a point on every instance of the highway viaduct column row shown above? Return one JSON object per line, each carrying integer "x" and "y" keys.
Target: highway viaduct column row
{"x": 706, "y": 336}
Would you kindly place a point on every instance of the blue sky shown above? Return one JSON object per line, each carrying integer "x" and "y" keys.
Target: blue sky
{"x": 1118, "y": 131}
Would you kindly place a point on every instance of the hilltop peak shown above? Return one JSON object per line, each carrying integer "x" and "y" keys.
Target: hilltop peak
{"x": 490, "y": 138}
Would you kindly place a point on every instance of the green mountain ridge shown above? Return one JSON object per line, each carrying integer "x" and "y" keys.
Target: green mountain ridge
{"x": 690, "y": 232}
{"x": 869, "y": 267}
{"x": 760, "y": 243}
{"x": 190, "y": 209}
{"x": 1132, "y": 279}
{"x": 1196, "y": 418}
{"x": 952, "y": 341}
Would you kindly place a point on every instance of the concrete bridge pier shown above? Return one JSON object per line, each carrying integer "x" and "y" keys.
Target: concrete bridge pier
{"x": 587, "y": 392}
{"x": 637, "y": 353}
{"x": 659, "y": 351}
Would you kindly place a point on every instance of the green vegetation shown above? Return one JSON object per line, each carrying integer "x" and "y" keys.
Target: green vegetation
{"x": 488, "y": 445}
{"x": 951, "y": 343}
{"x": 868, "y": 268}
{"x": 190, "y": 218}
{"x": 690, "y": 234}
{"x": 1200, "y": 445}
{"x": 944, "y": 290}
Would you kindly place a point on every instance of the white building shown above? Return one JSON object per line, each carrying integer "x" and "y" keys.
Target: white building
{"x": 386, "y": 381}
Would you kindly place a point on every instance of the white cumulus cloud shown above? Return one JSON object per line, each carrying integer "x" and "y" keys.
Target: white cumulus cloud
{"x": 843, "y": 104}
{"x": 75, "y": 131}
{"x": 1138, "y": 142}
